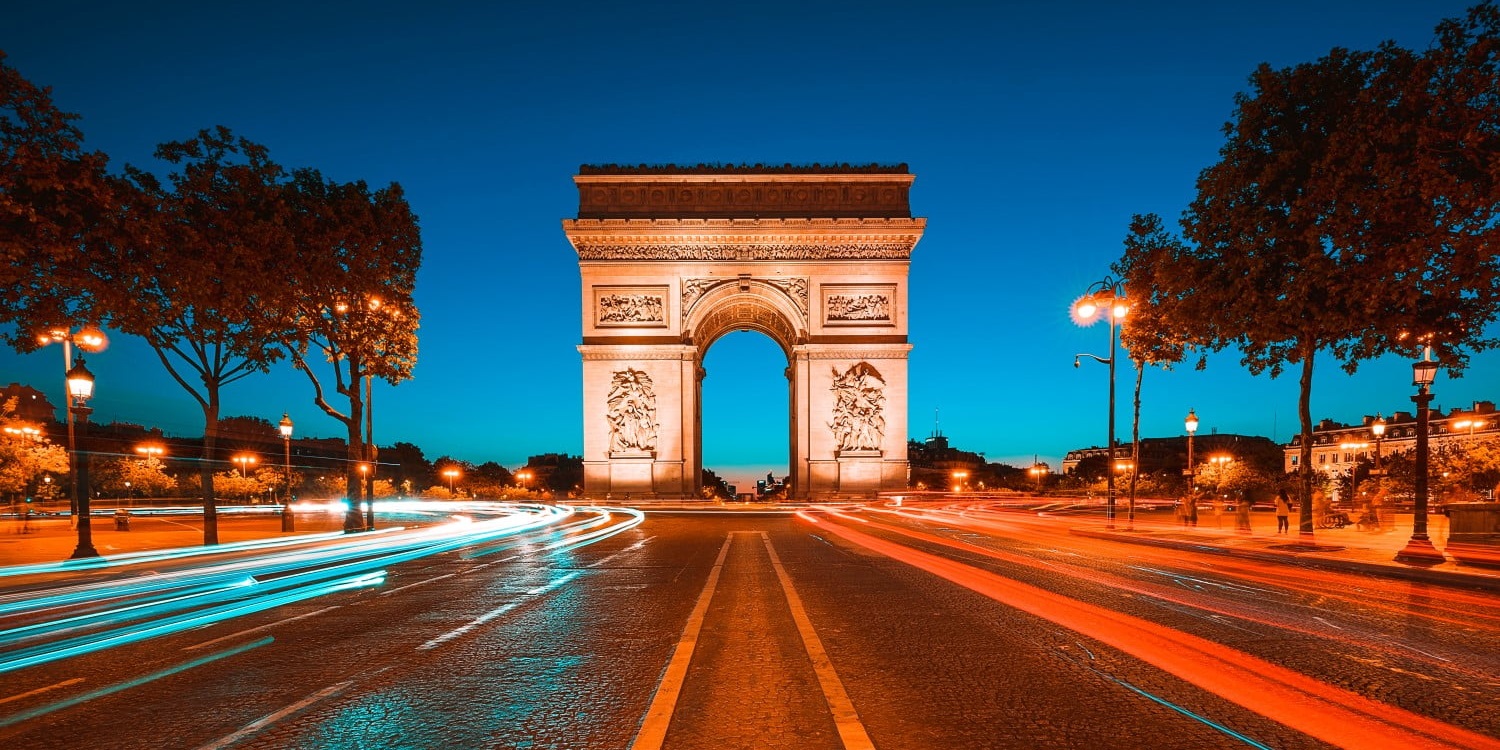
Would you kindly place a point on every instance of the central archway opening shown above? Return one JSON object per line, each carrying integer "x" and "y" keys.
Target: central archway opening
{"x": 746, "y": 410}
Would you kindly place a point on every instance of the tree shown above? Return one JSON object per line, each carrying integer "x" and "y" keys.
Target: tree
{"x": 192, "y": 272}
{"x": 351, "y": 301}
{"x": 124, "y": 475}
{"x": 55, "y": 204}
{"x": 25, "y": 453}
{"x": 1357, "y": 195}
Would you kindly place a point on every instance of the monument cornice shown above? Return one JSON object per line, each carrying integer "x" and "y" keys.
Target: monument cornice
{"x": 889, "y": 351}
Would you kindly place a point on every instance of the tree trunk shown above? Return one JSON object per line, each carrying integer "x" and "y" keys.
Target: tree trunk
{"x": 206, "y": 467}
{"x": 1304, "y": 460}
{"x": 353, "y": 486}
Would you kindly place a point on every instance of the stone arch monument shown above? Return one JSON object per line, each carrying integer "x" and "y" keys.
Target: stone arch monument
{"x": 673, "y": 258}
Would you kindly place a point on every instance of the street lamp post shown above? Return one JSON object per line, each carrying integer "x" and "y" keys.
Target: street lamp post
{"x": 1419, "y": 549}
{"x": 1378, "y": 430}
{"x": 451, "y": 475}
{"x": 80, "y": 388}
{"x": 359, "y": 521}
{"x": 958, "y": 480}
{"x": 1191, "y": 424}
{"x": 243, "y": 461}
{"x": 1108, "y": 295}
{"x": 1038, "y": 470}
{"x": 523, "y": 477}
{"x": 288, "y": 523}
{"x": 89, "y": 340}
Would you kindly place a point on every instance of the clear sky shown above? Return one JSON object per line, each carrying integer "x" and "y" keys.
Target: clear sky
{"x": 1034, "y": 130}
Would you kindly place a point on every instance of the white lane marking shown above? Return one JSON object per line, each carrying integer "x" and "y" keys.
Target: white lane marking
{"x": 496, "y": 612}
{"x": 41, "y": 690}
{"x": 851, "y": 731}
{"x": 632, "y": 548}
{"x": 269, "y": 719}
{"x": 447, "y": 575}
{"x": 418, "y": 583}
{"x": 654, "y": 728}
{"x": 267, "y": 626}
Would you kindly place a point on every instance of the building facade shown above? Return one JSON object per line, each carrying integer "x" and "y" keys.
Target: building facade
{"x": 1338, "y": 448}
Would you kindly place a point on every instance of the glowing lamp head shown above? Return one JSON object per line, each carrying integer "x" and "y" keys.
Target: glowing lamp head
{"x": 1191, "y": 423}
{"x": 1423, "y": 372}
{"x": 91, "y": 339}
{"x": 285, "y": 426}
{"x": 80, "y": 382}
{"x": 1378, "y": 428}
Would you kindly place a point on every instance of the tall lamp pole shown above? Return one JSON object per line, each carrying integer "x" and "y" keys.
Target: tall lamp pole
{"x": 1378, "y": 430}
{"x": 1191, "y": 424}
{"x": 1106, "y": 296}
{"x": 80, "y": 388}
{"x": 288, "y": 523}
{"x": 1419, "y": 549}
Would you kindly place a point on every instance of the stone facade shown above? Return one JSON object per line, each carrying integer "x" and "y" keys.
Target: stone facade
{"x": 670, "y": 261}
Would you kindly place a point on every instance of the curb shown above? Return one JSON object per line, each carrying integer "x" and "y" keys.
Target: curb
{"x": 1475, "y": 580}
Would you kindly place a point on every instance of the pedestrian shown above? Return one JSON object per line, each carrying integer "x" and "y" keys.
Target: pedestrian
{"x": 1218, "y": 504}
{"x": 1242, "y": 513}
{"x": 1283, "y": 512}
{"x": 1182, "y": 512}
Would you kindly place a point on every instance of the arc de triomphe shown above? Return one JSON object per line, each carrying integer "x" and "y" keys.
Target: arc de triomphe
{"x": 673, "y": 258}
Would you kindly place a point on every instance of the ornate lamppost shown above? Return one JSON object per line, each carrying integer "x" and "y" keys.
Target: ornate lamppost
{"x": 90, "y": 340}
{"x": 1191, "y": 425}
{"x": 288, "y": 523}
{"x": 1419, "y": 549}
{"x": 1108, "y": 296}
{"x": 1378, "y": 430}
{"x": 80, "y": 388}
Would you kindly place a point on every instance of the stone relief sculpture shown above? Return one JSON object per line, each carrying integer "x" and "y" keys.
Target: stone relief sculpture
{"x": 796, "y": 288}
{"x": 859, "y": 307}
{"x": 692, "y": 289}
{"x": 631, "y": 308}
{"x": 859, "y": 400}
{"x": 632, "y": 413}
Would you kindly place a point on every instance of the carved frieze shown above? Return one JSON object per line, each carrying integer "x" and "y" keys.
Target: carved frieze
{"x": 858, "y": 409}
{"x": 639, "y": 307}
{"x": 859, "y": 305}
{"x": 898, "y": 250}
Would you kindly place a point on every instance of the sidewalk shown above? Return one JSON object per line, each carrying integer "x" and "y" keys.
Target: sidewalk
{"x": 53, "y": 538}
{"x": 1347, "y": 549}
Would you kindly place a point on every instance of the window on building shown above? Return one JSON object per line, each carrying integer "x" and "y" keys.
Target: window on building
{"x": 1294, "y": 460}
{"x": 1322, "y": 458}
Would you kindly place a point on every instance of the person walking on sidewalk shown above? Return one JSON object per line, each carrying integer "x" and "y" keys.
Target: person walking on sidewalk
{"x": 1242, "y": 513}
{"x": 1283, "y": 512}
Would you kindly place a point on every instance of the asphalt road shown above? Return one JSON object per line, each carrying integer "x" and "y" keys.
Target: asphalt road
{"x": 959, "y": 628}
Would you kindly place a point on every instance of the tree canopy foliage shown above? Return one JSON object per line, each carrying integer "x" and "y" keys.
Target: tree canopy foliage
{"x": 1353, "y": 211}
{"x": 54, "y": 199}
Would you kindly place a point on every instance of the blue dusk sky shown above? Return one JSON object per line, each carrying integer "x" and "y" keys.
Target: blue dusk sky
{"x": 1034, "y": 130}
